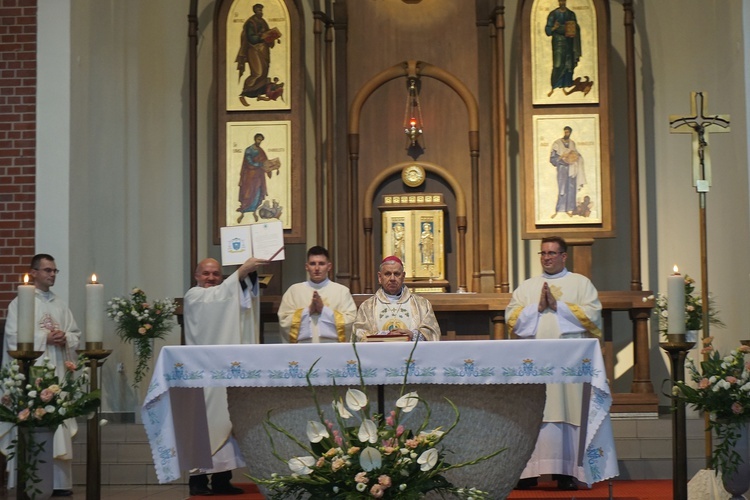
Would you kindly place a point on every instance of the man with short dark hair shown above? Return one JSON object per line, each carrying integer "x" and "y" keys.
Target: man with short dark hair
{"x": 57, "y": 336}
{"x": 556, "y": 305}
{"x": 219, "y": 311}
{"x": 394, "y": 310}
{"x": 317, "y": 310}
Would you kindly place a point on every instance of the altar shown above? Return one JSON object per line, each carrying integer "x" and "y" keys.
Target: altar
{"x": 483, "y": 378}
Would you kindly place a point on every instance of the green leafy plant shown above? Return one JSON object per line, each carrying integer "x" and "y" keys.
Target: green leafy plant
{"x": 139, "y": 322}
{"x": 45, "y": 400}
{"x": 367, "y": 455}
{"x": 723, "y": 390}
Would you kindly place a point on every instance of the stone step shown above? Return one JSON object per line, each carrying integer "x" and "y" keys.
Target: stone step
{"x": 644, "y": 450}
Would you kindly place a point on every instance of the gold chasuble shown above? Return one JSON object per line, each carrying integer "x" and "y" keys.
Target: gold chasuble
{"x": 379, "y": 314}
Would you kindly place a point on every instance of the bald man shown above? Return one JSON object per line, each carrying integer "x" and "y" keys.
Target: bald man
{"x": 221, "y": 311}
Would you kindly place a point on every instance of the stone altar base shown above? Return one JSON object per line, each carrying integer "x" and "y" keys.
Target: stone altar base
{"x": 491, "y": 417}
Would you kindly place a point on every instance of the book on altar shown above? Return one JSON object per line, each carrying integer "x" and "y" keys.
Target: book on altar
{"x": 264, "y": 240}
{"x": 387, "y": 338}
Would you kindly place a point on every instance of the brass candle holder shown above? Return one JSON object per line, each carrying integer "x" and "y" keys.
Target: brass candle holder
{"x": 677, "y": 351}
{"x": 25, "y": 355}
{"x": 96, "y": 356}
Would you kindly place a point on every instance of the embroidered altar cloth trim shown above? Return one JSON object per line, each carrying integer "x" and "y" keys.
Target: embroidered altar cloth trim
{"x": 476, "y": 362}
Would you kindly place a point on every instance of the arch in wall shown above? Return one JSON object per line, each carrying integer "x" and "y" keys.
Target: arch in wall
{"x": 367, "y": 221}
{"x": 415, "y": 69}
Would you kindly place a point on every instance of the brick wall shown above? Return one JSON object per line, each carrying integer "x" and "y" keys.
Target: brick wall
{"x": 18, "y": 29}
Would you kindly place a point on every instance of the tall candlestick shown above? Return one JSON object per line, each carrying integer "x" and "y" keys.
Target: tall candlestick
{"x": 94, "y": 310}
{"x": 676, "y": 303}
{"x": 26, "y": 305}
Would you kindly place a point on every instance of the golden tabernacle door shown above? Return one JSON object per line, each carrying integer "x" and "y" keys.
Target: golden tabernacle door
{"x": 413, "y": 230}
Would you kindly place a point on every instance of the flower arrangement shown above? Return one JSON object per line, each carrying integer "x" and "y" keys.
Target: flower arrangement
{"x": 693, "y": 309}
{"x": 45, "y": 400}
{"x": 139, "y": 322}
{"x": 364, "y": 455}
{"x": 723, "y": 390}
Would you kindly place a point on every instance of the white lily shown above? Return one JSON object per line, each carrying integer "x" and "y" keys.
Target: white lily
{"x": 301, "y": 465}
{"x": 316, "y": 431}
{"x": 368, "y": 432}
{"x": 356, "y": 399}
{"x": 370, "y": 459}
{"x": 343, "y": 412}
{"x": 408, "y": 402}
{"x": 428, "y": 459}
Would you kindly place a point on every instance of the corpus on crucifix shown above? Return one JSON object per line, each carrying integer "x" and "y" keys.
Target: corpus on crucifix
{"x": 699, "y": 124}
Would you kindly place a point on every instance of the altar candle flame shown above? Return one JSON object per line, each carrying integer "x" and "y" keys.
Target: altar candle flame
{"x": 25, "y": 279}
{"x": 93, "y": 278}
{"x": 676, "y": 271}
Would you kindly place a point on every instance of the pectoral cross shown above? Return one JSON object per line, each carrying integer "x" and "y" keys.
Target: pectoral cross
{"x": 698, "y": 124}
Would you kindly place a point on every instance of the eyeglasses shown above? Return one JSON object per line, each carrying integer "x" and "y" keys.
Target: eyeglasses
{"x": 550, "y": 254}
{"x": 48, "y": 270}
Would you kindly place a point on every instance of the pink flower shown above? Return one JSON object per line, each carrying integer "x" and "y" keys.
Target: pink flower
{"x": 24, "y": 414}
{"x": 70, "y": 366}
{"x": 38, "y": 382}
{"x": 377, "y": 491}
{"x": 147, "y": 326}
{"x": 737, "y": 408}
{"x": 707, "y": 350}
{"x": 39, "y": 413}
{"x": 744, "y": 348}
{"x": 339, "y": 440}
{"x": 384, "y": 481}
{"x": 320, "y": 462}
{"x": 399, "y": 430}
{"x": 412, "y": 443}
{"x": 704, "y": 383}
{"x": 708, "y": 340}
{"x": 5, "y": 400}
{"x": 337, "y": 464}
{"x": 361, "y": 477}
{"x": 142, "y": 331}
{"x": 731, "y": 379}
{"x": 46, "y": 395}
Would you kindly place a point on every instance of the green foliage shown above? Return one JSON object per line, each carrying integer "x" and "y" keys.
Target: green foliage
{"x": 723, "y": 390}
{"x": 139, "y": 322}
{"x": 45, "y": 400}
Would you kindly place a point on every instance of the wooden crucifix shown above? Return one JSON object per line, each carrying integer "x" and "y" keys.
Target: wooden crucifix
{"x": 698, "y": 124}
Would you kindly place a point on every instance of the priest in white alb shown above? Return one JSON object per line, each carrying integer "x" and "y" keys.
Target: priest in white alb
{"x": 217, "y": 312}
{"x": 558, "y": 304}
{"x": 57, "y": 336}
{"x": 317, "y": 310}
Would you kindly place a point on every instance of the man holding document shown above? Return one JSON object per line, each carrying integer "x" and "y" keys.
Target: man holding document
{"x": 219, "y": 311}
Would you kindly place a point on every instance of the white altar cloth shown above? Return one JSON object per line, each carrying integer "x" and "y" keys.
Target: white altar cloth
{"x": 176, "y": 427}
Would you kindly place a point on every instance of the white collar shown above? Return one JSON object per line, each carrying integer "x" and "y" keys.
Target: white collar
{"x": 555, "y": 276}
{"x": 318, "y": 286}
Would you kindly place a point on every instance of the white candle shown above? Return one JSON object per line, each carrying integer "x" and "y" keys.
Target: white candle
{"x": 26, "y": 311}
{"x": 676, "y": 303}
{"x": 94, "y": 311}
